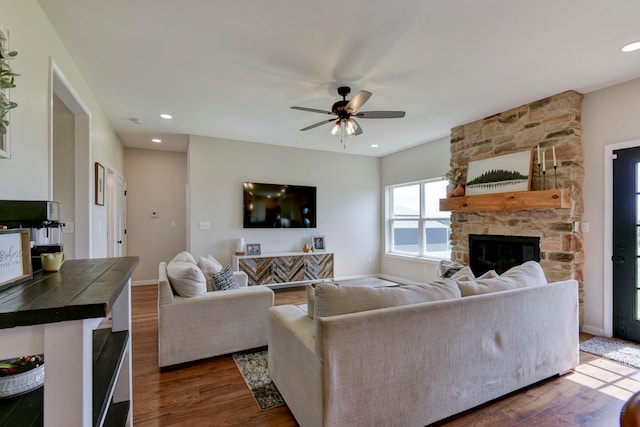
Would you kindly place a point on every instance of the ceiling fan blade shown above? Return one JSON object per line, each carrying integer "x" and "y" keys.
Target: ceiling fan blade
{"x": 358, "y": 129}
{"x": 313, "y": 110}
{"x": 380, "y": 114}
{"x": 358, "y": 100}
{"x": 319, "y": 124}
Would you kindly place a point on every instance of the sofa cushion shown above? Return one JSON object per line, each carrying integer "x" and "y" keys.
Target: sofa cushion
{"x": 521, "y": 276}
{"x": 209, "y": 266}
{"x": 331, "y": 300}
{"x": 185, "y": 257}
{"x": 186, "y": 279}
{"x": 224, "y": 280}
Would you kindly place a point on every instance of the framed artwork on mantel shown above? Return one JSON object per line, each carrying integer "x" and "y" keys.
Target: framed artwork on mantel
{"x": 5, "y": 136}
{"x": 502, "y": 174}
{"x": 99, "y": 184}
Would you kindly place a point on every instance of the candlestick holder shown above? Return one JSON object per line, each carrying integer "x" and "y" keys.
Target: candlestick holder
{"x": 555, "y": 177}
{"x": 539, "y": 182}
{"x": 544, "y": 179}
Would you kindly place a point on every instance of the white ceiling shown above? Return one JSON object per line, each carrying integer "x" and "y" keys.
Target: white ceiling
{"x": 232, "y": 68}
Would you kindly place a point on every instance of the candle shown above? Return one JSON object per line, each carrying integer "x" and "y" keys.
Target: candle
{"x": 544, "y": 167}
{"x": 538, "y": 153}
{"x": 554, "y": 156}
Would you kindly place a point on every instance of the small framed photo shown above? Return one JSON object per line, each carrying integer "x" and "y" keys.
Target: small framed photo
{"x": 318, "y": 243}
{"x": 253, "y": 249}
{"x": 99, "y": 184}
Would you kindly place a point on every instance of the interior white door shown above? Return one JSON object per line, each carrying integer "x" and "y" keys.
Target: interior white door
{"x": 121, "y": 220}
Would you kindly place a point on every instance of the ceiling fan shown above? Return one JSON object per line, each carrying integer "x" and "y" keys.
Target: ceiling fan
{"x": 346, "y": 111}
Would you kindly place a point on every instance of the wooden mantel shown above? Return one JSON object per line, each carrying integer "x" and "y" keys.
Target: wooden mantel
{"x": 544, "y": 199}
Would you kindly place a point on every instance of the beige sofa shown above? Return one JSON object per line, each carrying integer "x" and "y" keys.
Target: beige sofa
{"x": 215, "y": 323}
{"x": 416, "y": 364}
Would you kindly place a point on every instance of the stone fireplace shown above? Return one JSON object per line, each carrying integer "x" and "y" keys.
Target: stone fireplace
{"x": 550, "y": 122}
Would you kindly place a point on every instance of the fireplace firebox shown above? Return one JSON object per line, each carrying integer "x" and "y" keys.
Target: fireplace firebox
{"x": 500, "y": 253}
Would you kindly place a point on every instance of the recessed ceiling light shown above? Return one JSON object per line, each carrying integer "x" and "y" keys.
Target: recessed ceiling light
{"x": 166, "y": 116}
{"x": 631, "y": 47}
{"x": 374, "y": 146}
{"x": 156, "y": 140}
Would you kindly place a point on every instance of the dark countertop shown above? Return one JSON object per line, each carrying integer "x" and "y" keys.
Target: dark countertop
{"x": 82, "y": 289}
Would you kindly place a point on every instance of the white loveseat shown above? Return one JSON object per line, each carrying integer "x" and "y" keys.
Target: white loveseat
{"x": 416, "y": 364}
{"x": 216, "y": 323}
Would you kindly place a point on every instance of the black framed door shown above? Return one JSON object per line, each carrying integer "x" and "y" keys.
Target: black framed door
{"x": 626, "y": 244}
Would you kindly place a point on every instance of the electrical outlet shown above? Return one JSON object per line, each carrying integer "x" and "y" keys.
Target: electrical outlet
{"x": 585, "y": 227}
{"x": 204, "y": 226}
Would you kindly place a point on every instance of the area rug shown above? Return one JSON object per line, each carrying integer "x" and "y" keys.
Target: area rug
{"x": 617, "y": 350}
{"x": 253, "y": 367}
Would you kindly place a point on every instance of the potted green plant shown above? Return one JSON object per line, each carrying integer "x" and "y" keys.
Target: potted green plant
{"x": 7, "y": 81}
{"x": 455, "y": 176}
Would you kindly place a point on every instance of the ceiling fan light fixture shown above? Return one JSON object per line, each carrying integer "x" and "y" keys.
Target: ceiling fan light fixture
{"x": 335, "y": 129}
{"x": 350, "y": 127}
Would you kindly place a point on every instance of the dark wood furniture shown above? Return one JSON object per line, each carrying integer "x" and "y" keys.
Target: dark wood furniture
{"x": 87, "y": 365}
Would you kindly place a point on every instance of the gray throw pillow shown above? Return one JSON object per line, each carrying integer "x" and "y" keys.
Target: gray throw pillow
{"x": 225, "y": 280}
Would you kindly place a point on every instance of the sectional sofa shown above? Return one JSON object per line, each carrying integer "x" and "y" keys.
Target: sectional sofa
{"x": 413, "y": 364}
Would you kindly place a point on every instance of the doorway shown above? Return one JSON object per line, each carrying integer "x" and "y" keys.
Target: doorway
{"x": 626, "y": 243}
{"x": 79, "y": 217}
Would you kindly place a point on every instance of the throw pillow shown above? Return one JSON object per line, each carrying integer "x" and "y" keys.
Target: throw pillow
{"x": 185, "y": 257}
{"x": 331, "y": 300}
{"x": 209, "y": 266}
{"x": 186, "y": 279}
{"x": 521, "y": 276}
{"x": 464, "y": 273}
{"x": 225, "y": 280}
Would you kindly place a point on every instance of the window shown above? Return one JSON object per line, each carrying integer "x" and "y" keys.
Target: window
{"x": 415, "y": 225}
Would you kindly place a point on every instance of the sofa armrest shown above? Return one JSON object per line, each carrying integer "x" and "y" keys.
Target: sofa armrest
{"x": 165, "y": 292}
{"x": 293, "y": 365}
{"x": 242, "y": 278}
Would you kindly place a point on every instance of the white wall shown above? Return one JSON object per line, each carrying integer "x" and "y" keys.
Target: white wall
{"x": 156, "y": 182}
{"x": 430, "y": 160}
{"x": 348, "y": 200}
{"x": 27, "y": 174}
{"x": 609, "y": 116}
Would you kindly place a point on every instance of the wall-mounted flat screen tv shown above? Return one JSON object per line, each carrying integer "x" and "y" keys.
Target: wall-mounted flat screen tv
{"x": 279, "y": 206}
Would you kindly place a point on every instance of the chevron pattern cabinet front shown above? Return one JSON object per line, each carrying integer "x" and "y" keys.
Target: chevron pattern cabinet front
{"x": 268, "y": 270}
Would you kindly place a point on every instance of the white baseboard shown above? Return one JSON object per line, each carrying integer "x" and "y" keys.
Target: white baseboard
{"x": 593, "y": 331}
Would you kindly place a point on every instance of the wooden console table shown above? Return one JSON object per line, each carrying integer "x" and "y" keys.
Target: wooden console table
{"x": 87, "y": 369}
{"x": 285, "y": 268}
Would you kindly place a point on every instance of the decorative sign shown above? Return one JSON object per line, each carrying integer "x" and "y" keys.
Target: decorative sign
{"x": 15, "y": 257}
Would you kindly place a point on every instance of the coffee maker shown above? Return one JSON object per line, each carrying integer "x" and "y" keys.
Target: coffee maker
{"x": 43, "y": 220}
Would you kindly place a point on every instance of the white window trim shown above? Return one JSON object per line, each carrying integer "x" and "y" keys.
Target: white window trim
{"x": 389, "y": 242}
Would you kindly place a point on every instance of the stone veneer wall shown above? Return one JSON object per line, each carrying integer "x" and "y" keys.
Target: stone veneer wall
{"x": 553, "y": 121}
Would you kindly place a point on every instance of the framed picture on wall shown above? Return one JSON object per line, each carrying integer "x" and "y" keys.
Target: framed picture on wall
{"x": 99, "y": 184}
{"x": 318, "y": 243}
{"x": 7, "y": 105}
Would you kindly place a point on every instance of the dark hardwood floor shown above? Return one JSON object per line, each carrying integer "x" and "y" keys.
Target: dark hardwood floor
{"x": 212, "y": 392}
